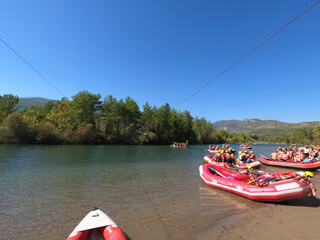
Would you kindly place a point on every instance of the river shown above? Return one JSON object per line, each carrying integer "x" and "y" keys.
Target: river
{"x": 151, "y": 192}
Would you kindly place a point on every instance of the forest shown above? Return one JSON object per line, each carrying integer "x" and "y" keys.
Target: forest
{"x": 89, "y": 119}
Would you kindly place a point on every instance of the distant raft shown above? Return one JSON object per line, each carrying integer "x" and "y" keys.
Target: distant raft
{"x": 306, "y": 165}
{"x": 97, "y": 225}
{"x": 179, "y": 145}
{"x": 243, "y": 146}
{"x": 262, "y": 187}
{"x": 211, "y": 159}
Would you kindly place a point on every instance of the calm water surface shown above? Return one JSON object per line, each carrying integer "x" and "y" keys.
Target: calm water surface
{"x": 151, "y": 192}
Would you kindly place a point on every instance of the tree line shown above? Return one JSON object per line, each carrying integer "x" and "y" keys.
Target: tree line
{"x": 88, "y": 119}
{"x": 304, "y": 136}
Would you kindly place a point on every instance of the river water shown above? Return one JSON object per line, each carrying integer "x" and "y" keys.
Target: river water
{"x": 151, "y": 192}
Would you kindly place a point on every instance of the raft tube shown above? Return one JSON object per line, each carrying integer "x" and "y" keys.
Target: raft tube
{"x": 231, "y": 181}
{"x": 210, "y": 159}
{"x": 290, "y": 164}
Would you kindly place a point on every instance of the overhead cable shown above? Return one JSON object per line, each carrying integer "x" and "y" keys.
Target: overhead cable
{"x": 246, "y": 55}
{"x": 33, "y": 68}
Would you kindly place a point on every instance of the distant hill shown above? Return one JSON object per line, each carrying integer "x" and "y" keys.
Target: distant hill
{"x": 31, "y": 101}
{"x": 257, "y": 125}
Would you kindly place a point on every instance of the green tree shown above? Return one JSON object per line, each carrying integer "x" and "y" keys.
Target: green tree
{"x": 299, "y": 136}
{"x": 45, "y": 133}
{"x": 18, "y": 128}
{"x": 203, "y": 130}
{"x": 85, "y": 105}
{"x": 130, "y": 122}
{"x": 147, "y": 117}
{"x": 110, "y": 118}
{"x": 161, "y": 124}
{"x": 316, "y": 134}
{"x": 8, "y": 104}
{"x": 222, "y": 135}
{"x": 62, "y": 116}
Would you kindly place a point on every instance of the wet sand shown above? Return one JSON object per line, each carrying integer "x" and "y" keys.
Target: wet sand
{"x": 294, "y": 219}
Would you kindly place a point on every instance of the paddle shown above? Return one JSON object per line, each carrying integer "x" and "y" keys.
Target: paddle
{"x": 220, "y": 173}
{"x": 263, "y": 156}
{"x": 216, "y": 172}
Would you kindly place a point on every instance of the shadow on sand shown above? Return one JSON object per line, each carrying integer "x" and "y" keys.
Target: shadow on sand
{"x": 302, "y": 202}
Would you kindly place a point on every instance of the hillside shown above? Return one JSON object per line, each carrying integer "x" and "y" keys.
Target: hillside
{"x": 31, "y": 101}
{"x": 253, "y": 125}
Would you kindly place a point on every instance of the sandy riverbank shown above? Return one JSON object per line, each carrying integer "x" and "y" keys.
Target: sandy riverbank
{"x": 294, "y": 219}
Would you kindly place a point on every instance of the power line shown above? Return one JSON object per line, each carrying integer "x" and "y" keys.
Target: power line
{"x": 246, "y": 55}
{"x": 33, "y": 68}
{"x": 263, "y": 97}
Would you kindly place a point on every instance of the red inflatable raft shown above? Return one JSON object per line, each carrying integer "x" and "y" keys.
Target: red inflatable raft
{"x": 258, "y": 187}
{"x": 245, "y": 147}
{"x": 291, "y": 164}
{"x": 211, "y": 159}
{"x": 97, "y": 225}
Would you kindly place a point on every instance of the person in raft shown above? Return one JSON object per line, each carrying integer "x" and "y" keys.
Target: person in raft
{"x": 317, "y": 154}
{"x": 252, "y": 156}
{"x": 284, "y": 156}
{"x": 217, "y": 156}
{"x": 291, "y": 153}
{"x": 247, "y": 157}
{"x": 307, "y": 151}
{"x": 229, "y": 157}
{"x": 300, "y": 157}
{"x": 280, "y": 152}
{"x": 241, "y": 158}
{"x": 274, "y": 155}
{"x": 222, "y": 156}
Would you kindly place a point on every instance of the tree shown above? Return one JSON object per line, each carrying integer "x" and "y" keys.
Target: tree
{"x": 203, "y": 130}
{"x": 161, "y": 123}
{"x": 45, "y": 133}
{"x": 8, "y": 104}
{"x": 62, "y": 116}
{"x": 299, "y": 136}
{"x": 147, "y": 117}
{"x": 316, "y": 134}
{"x": 18, "y": 127}
{"x": 110, "y": 118}
{"x": 131, "y": 121}
{"x": 85, "y": 105}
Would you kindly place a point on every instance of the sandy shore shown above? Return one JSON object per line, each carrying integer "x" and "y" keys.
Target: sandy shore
{"x": 294, "y": 219}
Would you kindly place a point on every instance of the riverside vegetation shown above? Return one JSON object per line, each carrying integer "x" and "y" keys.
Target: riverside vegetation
{"x": 86, "y": 119}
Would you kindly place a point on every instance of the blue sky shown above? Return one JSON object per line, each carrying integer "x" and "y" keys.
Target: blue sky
{"x": 163, "y": 51}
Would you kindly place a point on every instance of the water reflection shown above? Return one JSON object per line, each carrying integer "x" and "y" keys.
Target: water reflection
{"x": 216, "y": 200}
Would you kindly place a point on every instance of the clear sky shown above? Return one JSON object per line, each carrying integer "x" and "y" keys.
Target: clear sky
{"x": 162, "y": 51}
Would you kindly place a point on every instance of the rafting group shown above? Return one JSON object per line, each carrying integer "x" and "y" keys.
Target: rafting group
{"x": 226, "y": 157}
{"x": 213, "y": 148}
{"x": 179, "y": 145}
{"x": 306, "y": 154}
{"x": 262, "y": 186}
{"x": 245, "y": 146}
{"x": 307, "y": 157}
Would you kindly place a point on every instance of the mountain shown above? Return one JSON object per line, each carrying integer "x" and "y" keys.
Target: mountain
{"x": 257, "y": 125}
{"x": 31, "y": 101}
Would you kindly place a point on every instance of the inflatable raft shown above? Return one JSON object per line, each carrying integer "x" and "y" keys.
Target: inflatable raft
{"x": 97, "y": 225}
{"x": 245, "y": 147}
{"x": 311, "y": 165}
{"x": 212, "y": 151}
{"x": 262, "y": 187}
{"x": 210, "y": 159}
